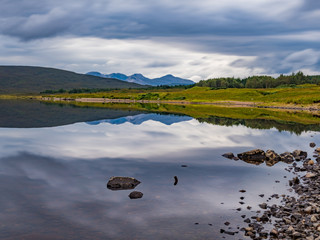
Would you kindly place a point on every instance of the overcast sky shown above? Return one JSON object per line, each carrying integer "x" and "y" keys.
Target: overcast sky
{"x": 190, "y": 39}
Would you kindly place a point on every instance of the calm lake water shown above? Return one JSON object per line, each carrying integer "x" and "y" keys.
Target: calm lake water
{"x": 55, "y": 162}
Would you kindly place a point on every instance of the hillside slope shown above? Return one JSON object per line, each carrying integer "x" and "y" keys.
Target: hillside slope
{"x": 25, "y": 79}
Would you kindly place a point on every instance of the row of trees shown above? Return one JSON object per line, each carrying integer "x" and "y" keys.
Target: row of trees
{"x": 260, "y": 81}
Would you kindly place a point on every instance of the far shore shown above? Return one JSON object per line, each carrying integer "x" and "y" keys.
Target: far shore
{"x": 175, "y": 102}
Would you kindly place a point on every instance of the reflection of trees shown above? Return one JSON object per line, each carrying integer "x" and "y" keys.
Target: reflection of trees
{"x": 292, "y": 127}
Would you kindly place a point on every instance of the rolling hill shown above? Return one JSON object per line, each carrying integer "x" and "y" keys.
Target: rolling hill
{"x": 25, "y": 79}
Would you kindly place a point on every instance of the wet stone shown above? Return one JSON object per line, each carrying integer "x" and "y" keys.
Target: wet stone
{"x": 122, "y": 183}
{"x": 135, "y": 195}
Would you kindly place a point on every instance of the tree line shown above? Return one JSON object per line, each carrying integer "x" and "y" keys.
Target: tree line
{"x": 260, "y": 81}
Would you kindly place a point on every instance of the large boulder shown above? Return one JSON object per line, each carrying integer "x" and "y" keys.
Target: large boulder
{"x": 122, "y": 183}
{"x": 256, "y": 156}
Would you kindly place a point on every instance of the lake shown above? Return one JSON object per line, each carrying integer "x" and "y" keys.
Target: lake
{"x": 55, "y": 162}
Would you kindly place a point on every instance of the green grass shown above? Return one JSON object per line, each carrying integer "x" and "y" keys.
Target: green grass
{"x": 300, "y": 95}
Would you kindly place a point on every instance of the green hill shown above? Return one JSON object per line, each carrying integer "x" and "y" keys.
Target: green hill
{"x": 24, "y": 79}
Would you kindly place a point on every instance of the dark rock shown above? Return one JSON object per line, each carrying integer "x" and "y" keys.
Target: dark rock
{"x": 312, "y": 144}
{"x": 175, "y": 180}
{"x": 228, "y": 155}
{"x": 272, "y": 158}
{"x": 242, "y": 191}
{"x": 263, "y": 205}
{"x": 247, "y": 220}
{"x": 122, "y": 183}
{"x": 227, "y": 223}
{"x": 287, "y": 157}
{"x": 184, "y": 165}
{"x": 299, "y": 154}
{"x": 135, "y": 195}
{"x": 256, "y": 156}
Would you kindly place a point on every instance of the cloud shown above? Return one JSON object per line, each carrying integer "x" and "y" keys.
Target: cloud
{"x": 266, "y": 30}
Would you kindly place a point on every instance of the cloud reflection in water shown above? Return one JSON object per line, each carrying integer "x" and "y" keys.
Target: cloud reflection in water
{"x": 53, "y": 180}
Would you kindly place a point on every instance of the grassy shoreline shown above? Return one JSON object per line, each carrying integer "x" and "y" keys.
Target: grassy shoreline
{"x": 302, "y": 96}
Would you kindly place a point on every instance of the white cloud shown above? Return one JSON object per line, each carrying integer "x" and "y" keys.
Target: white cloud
{"x": 125, "y": 56}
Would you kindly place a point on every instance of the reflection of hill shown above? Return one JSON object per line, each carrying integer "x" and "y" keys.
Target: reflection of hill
{"x": 259, "y": 118}
{"x": 138, "y": 119}
{"x": 25, "y": 114}
{"x": 297, "y": 128}
{"x": 33, "y": 114}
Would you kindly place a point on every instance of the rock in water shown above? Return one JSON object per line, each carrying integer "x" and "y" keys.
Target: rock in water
{"x": 228, "y": 155}
{"x": 135, "y": 195}
{"x": 299, "y": 153}
{"x": 312, "y": 144}
{"x": 272, "y": 158}
{"x": 256, "y": 156}
{"x": 122, "y": 183}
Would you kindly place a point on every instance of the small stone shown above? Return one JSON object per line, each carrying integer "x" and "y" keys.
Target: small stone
{"x": 228, "y": 155}
{"x": 227, "y": 223}
{"x": 247, "y": 220}
{"x": 242, "y": 191}
{"x": 263, "y": 205}
{"x": 308, "y": 210}
{"x": 135, "y": 195}
{"x": 290, "y": 228}
{"x": 312, "y": 144}
{"x": 184, "y": 165}
{"x": 274, "y": 233}
{"x": 296, "y": 235}
{"x": 310, "y": 175}
{"x": 313, "y": 218}
{"x": 311, "y": 162}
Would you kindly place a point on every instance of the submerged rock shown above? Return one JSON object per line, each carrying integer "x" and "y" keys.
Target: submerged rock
{"x": 122, "y": 183}
{"x": 312, "y": 144}
{"x": 228, "y": 155}
{"x": 256, "y": 156}
{"x": 135, "y": 195}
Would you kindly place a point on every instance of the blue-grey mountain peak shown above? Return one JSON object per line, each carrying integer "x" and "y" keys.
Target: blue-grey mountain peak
{"x": 138, "y": 78}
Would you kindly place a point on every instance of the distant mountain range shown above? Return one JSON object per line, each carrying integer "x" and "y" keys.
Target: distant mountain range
{"x": 166, "y": 119}
{"x": 138, "y": 78}
{"x": 26, "y": 79}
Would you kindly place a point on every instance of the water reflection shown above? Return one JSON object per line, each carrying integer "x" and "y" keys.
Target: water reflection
{"x": 53, "y": 179}
{"x": 50, "y": 198}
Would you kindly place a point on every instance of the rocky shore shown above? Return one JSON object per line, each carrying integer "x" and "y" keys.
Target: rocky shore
{"x": 296, "y": 216}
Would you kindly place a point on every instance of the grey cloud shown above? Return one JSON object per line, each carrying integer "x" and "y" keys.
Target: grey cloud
{"x": 161, "y": 64}
{"x": 142, "y": 19}
{"x": 249, "y": 28}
